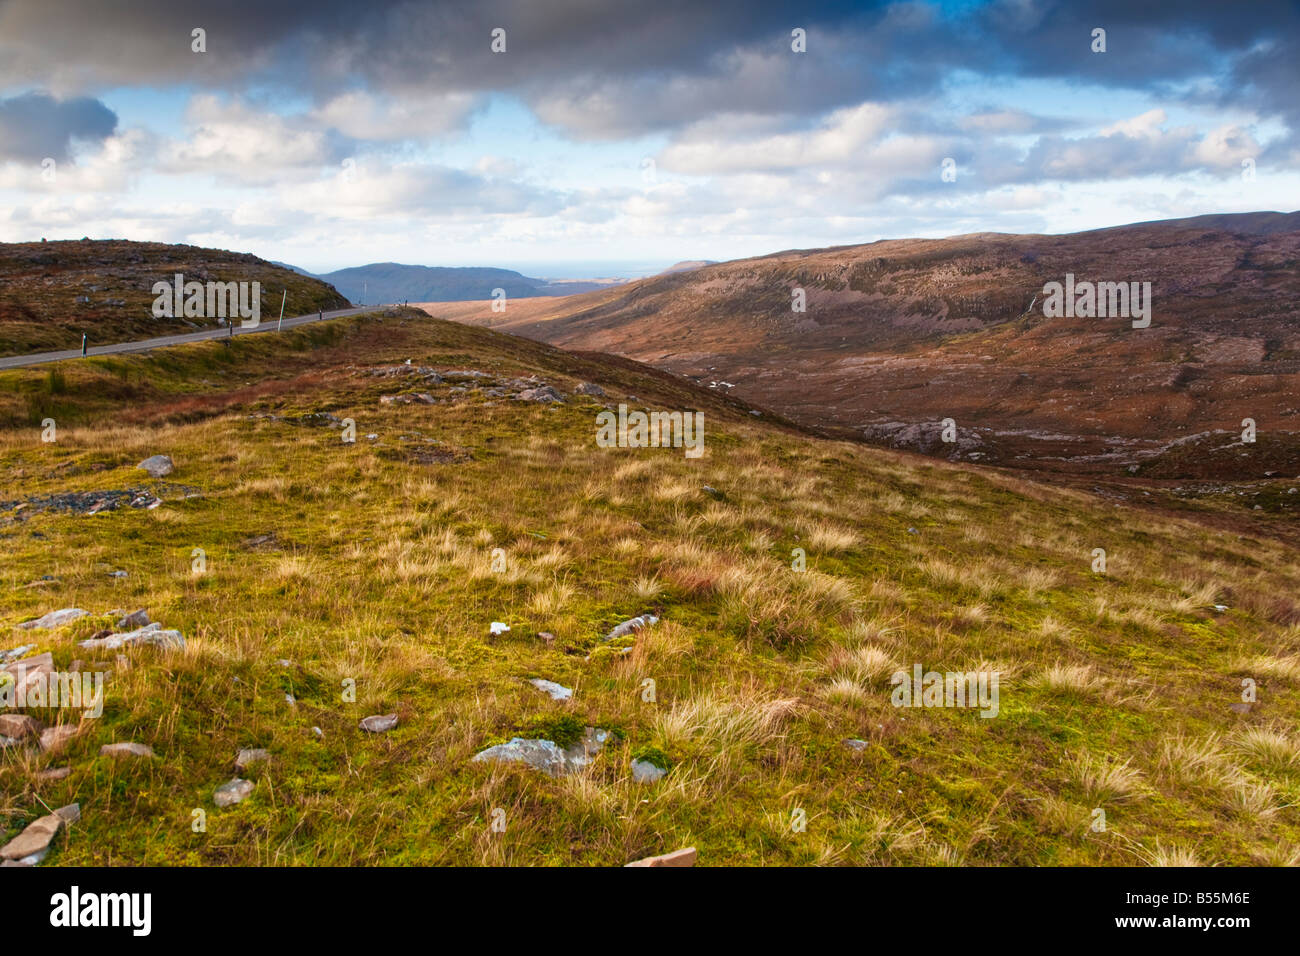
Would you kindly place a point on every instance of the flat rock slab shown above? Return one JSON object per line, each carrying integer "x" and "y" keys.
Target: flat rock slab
{"x": 35, "y": 840}
{"x": 55, "y": 619}
{"x": 151, "y": 634}
{"x": 643, "y": 771}
{"x": 249, "y": 757}
{"x": 685, "y": 857}
{"x": 635, "y": 624}
{"x": 26, "y": 672}
{"x": 228, "y": 794}
{"x": 853, "y": 743}
{"x": 131, "y": 749}
{"x": 20, "y": 726}
{"x": 15, "y": 652}
{"x": 378, "y": 723}
{"x": 554, "y": 690}
{"x": 158, "y": 466}
{"x": 54, "y": 739}
{"x": 546, "y": 755}
{"x": 53, "y": 774}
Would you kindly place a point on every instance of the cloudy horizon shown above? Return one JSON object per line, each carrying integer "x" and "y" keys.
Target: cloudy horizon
{"x": 608, "y": 136}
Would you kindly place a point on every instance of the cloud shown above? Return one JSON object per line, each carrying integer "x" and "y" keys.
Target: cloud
{"x": 36, "y": 125}
{"x": 234, "y": 141}
{"x": 361, "y": 115}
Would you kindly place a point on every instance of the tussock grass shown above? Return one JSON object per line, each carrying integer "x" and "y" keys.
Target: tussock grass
{"x": 383, "y": 571}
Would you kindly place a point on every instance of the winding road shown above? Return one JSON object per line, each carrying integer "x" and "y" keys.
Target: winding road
{"x": 143, "y": 345}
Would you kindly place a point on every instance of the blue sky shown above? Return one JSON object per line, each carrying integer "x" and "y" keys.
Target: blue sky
{"x": 617, "y": 139}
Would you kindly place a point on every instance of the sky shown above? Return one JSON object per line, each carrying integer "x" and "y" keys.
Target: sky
{"x": 615, "y": 138}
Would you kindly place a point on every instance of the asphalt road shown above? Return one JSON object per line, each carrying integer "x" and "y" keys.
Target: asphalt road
{"x": 143, "y": 345}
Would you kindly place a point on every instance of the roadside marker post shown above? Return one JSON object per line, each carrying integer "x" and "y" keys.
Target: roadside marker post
{"x": 83, "y": 344}
{"x": 282, "y": 298}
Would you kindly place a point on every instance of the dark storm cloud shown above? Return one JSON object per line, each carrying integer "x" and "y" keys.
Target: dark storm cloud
{"x": 604, "y": 68}
{"x": 35, "y": 125}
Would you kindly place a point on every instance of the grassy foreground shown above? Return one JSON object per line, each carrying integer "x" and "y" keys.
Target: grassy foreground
{"x": 373, "y": 562}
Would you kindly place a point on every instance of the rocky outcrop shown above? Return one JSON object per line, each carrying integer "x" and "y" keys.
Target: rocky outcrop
{"x": 151, "y": 634}
{"x": 55, "y": 619}
{"x": 546, "y": 755}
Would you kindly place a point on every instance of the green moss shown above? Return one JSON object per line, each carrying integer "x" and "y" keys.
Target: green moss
{"x": 653, "y": 755}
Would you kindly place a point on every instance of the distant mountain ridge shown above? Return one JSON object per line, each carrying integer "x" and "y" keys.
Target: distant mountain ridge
{"x": 386, "y": 282}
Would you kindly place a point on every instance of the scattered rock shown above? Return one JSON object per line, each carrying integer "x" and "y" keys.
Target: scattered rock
{"x": 543, "y": 393}
{"x": 546, "y": 755}
{"x": 20, "y": 726}
{"x": 250, "y": 757}
{"x": 378, "y": 723}
{"x": 317, "y": 732}
{"x": 496, "y": 627}
{"x": 643, "y": 771}
{"x": 714, "y": 492}
{"x": 635, "y": 624}
{"x": 149, "y": 634}
{"x": 135, "y": 620}
{"x": 587, "y": 388}
{"x": 126, "y": 750}
{"x": 685, "y": 857}
{"x": 33, "y": 843}
{"x": 26, "y": 672}
{"x": 158, "y": 466}
{"x": 54, "y": 739}
{"x": 547, "y": 637}
{"x": 53, "y": 774}
{"x": 853, "y": 743}
{"x": 118, "y": 574}
{"x": 16, "y": 652}
{"x": 556, "y": 691}
{"x": 228, "y": 794}
{"x": 55, "y": 619}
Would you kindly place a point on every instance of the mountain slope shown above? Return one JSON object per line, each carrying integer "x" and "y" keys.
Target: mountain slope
{"x": 374, "y": 567}
{"x": 906, "y": 333}
{"x": 53, "y": 292}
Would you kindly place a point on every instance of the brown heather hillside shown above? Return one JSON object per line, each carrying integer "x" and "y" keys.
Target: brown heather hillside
{"x": 909, "y": 332}
{"x": 52, "y": 292}
{"x": 790, "y": 578}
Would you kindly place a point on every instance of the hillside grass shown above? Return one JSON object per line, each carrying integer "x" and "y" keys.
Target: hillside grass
{"x": 51, "y": 293}
{"x": 1115, "y": 688}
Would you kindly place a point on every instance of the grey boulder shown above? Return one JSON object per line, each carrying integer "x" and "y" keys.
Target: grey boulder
{"x": 233, "y": 792}
{"x": 158, "y": 466}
